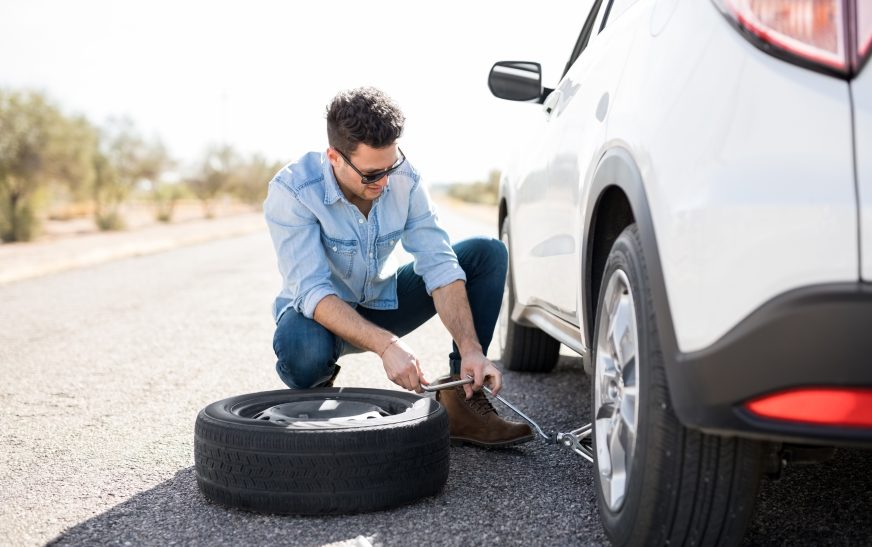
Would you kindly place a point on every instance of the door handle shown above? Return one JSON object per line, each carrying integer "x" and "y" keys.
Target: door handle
{"x": 551, "y": 102}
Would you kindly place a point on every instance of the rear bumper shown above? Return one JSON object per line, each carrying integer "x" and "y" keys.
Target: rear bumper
{"x": 810, "y": 337}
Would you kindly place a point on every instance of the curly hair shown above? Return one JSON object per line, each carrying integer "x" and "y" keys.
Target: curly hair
{"x": 363, "y": 115}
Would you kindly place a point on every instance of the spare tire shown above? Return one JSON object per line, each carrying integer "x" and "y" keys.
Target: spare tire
{"x": 321, "y": 451}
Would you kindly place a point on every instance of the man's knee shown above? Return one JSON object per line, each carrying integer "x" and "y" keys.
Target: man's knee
{"x": 496, "y": 252}
{"x": 305, "y": 352}
{"x": 482, "y": 253}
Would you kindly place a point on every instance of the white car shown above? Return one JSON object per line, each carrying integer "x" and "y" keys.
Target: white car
{"x": 694, "y": 218}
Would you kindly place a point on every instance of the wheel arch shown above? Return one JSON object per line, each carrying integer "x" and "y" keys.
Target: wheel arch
{"x": 616, "y": 199}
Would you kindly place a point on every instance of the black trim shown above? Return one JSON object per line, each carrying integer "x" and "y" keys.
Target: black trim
{"x": 813, "y": 336}
{"x": 617, "y": 169}
{"x": 606, "y": 16}
{"x": 583, "y": 36}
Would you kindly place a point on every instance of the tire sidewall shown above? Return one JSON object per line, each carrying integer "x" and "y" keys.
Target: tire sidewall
{"x": 270, "y": 468}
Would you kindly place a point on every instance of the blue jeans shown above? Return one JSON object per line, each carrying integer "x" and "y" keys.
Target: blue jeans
{"x": 307, "y": 352}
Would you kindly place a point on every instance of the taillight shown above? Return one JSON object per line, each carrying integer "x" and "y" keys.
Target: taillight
{"x": 839, "y": 407}
{"x": 832, "y": 36}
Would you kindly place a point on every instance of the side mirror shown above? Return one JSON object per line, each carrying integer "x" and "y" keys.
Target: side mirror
{"x": 516, "y": 81}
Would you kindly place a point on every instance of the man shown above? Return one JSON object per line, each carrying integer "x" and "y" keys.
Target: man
{"x": 334, "y": 219}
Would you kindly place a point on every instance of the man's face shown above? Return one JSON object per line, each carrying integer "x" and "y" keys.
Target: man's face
{"x": 367, "y": 160}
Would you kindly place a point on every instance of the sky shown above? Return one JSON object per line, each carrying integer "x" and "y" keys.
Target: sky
{"x": 258, "y": 74}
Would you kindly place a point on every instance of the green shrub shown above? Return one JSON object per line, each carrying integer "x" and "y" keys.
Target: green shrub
{"x": 18, "y": 221}
{"x": 165, "y": 198}
{"x": 110, "y": 221}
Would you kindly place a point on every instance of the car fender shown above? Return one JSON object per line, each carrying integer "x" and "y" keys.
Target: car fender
{"x": 617, "y": 168}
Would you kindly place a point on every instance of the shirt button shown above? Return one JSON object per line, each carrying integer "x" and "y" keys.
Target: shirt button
{"x": 360, "y": 221}
{"x": 334, "y": 249}
{"x": 370, "y": 255}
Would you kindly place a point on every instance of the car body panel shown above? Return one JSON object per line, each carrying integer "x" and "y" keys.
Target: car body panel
{"x": 547, "y": 199}
{"x": 861, "y": 88}
{"x": 747, "y": 162}
{"x": 580, "y": 122}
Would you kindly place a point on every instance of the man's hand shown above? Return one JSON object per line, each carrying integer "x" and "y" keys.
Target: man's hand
{"x": 402, "y": 367}
{"x": 482, "y": 371}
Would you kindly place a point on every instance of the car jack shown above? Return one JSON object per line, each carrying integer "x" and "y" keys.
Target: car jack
{"x": 578, "y": 440}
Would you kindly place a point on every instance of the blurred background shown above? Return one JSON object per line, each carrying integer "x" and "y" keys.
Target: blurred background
{"x": 114, "y": 115}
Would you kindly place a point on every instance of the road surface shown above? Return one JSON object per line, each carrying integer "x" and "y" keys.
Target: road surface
{"x": 103, "y": 370}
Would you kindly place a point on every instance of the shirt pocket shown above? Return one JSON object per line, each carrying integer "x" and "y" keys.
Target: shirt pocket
{"x": 384, "y": 246}
{"x": 340, "y": 254}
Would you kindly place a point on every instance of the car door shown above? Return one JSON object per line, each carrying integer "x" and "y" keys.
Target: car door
{"x": 538, "y": 243}
{"x": 578, "y": 119}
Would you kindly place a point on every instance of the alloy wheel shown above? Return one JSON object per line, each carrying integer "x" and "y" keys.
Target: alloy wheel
{"x": 616, "y": 391}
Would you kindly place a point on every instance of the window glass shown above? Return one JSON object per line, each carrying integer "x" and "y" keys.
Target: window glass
{"x": 601, "y": 17}
{"x": 584, "y": 36}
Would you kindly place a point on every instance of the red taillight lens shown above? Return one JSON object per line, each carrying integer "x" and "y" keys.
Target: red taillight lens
{"x": 842, "y": 407}
{"x": 818, "y": 33}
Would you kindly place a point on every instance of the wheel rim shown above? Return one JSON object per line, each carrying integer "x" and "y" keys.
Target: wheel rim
{"x": 616, "y": 391}
{"x": 318, "y": 412}
{"x": 318, "y": 409}
{"x": 503, "y": 322}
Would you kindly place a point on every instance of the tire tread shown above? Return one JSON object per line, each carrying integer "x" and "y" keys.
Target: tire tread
{"x": 696, "y": 488}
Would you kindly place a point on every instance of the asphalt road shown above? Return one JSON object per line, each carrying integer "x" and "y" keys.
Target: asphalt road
{"x": 103, "y": 369}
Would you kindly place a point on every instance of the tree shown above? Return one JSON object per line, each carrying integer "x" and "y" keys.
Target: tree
{"x": 216, "y": 175}
{"x": 154, "y": 163}
{"x": 253, "y": 176}
{"x": 38, "y": 147}
{"x": 123, "y": 160}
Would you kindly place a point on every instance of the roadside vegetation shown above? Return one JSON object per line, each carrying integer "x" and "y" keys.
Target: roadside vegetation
{"x": 63, "y": 166}
{"x": 486, "y": 192}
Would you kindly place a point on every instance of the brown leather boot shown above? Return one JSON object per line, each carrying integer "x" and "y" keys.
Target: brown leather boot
{"x": 475, "y": 421}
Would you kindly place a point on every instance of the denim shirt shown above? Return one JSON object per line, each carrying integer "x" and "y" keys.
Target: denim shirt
{"x": 325, "y": 245}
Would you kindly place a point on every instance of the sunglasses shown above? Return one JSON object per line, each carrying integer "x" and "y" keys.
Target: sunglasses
{"x": 374, "y": 177}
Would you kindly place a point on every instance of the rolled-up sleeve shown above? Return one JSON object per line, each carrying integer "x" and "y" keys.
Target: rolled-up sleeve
{"x": 296, "y": 236}
{"x": 424, "y": 238}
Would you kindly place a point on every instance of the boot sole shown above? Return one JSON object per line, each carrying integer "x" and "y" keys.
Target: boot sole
{"x": 460, "y": 441}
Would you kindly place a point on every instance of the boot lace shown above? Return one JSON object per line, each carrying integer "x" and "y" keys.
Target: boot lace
{"x": 480, "y": 403}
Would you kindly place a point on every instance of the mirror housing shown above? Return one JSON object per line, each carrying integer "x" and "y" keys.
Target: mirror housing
{"x": 516, "y": 81}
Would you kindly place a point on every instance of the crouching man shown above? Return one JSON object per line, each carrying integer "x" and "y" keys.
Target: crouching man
{"x": 335, "y": 217}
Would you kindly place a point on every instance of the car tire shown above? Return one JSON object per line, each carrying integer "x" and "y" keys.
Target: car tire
{"x": 522, "y": 348}
{"x": 321, "y": 451}
{"x": 657, "y": 482}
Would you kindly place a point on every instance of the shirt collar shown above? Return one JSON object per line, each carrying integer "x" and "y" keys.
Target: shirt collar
{"x": 332, "y": 193}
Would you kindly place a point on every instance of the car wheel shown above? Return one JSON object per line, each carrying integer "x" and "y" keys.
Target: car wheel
{"x": 321, "y": 451}
{"x": 525, "y": 349}
{"x": 657, "y": 482}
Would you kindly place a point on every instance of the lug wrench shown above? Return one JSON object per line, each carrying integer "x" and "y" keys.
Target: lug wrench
{"x": 578, "y": 440}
